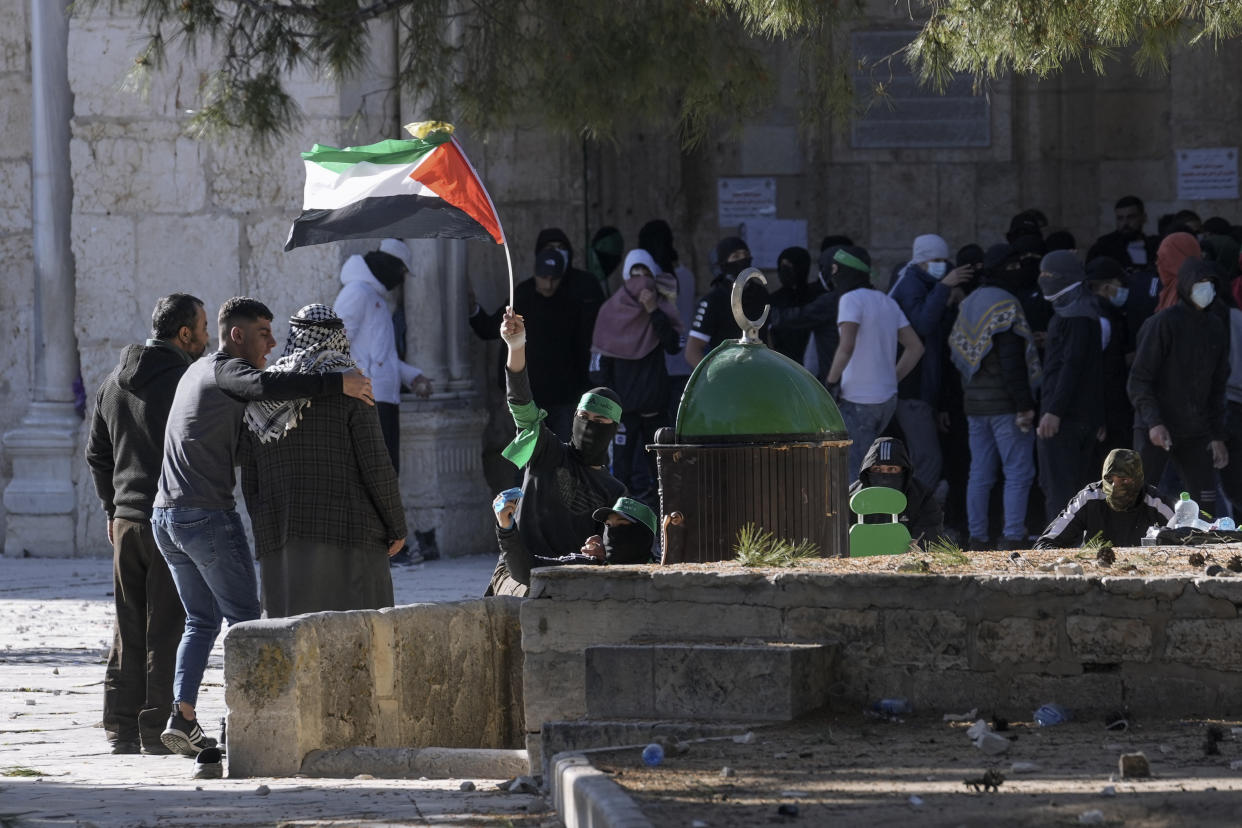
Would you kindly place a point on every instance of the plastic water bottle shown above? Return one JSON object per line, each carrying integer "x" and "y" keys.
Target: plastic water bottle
{"x": 1185, "y": 513}
{"x": 653, "y": 754}
{"x": 893, "y": 707}
{"x": 1051, "y": 714}
{"x": 1225, "y": 524}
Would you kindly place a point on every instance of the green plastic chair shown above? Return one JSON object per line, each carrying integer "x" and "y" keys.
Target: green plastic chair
{"x": 867, "y": 539}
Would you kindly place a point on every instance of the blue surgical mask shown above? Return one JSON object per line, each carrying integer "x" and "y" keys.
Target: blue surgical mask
{"x": 1119, "y": 298}
{"x": 936, "y": 270}
{"x": 1202, "y": 294}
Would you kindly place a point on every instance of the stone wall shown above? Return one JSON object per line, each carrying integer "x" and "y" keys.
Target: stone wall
{"x": 16, "y": 257}
{"x": 1160, "y": 646}
{"x": 423, "y": 675}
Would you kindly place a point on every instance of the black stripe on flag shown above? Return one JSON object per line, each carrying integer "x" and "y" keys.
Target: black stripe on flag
{"x": 398, "y": 217}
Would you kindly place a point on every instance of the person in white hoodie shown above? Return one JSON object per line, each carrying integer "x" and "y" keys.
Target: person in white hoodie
{"x": 368, "y": 284}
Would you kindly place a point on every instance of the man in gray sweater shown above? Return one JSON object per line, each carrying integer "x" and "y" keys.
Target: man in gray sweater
{"x": 195, "y": 521}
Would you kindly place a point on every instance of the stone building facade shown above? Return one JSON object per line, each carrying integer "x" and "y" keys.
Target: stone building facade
{"x": 153, "y": 211}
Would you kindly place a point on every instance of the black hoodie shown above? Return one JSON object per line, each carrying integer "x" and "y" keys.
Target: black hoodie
{"x": 923, "y": 515}
{"x": 1182, "y": 365}
{"x": 126, "y": 444}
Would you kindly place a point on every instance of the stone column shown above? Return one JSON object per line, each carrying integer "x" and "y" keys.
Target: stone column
{"x": 442, "y": 481}
{"x": 40, "y": 499}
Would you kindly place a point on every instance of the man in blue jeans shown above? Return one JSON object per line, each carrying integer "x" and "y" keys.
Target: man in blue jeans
{"x": 195, "y": 521}
{"x": 993, "y": 348}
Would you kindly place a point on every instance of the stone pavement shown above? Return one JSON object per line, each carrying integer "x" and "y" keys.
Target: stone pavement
{"x": 55, "y": 765}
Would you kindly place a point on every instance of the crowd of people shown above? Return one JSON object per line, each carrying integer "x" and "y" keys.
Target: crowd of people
{"x": 987, "y": 384}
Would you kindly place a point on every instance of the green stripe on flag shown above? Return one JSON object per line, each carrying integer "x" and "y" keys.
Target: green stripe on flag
{"x": 385, "y": 152}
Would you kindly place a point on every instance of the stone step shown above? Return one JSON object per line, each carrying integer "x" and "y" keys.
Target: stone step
{"x": 772, "y": 682}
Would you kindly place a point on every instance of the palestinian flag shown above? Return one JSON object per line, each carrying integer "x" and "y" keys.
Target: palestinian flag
{"x": 402, "y": 189}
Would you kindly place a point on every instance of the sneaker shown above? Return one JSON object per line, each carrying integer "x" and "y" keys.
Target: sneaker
{"x": 208, "y": 764}
{"x": 405, "y": 558}
{"x": 184, "y": 736}
{"x": 124, "y": 746}
{"x": 155, "y": 748}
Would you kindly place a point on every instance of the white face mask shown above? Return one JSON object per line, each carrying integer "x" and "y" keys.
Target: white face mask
{"x": 936, "y": 270}
{"x": 1202, "y": 294}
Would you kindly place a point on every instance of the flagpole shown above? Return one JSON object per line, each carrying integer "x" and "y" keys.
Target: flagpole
{"x": 508, "y": 261}
{"x": 499, "y": 225}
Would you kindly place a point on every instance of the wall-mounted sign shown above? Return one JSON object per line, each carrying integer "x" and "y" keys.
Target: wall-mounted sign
{"x": 739, "y": 199}
{"x": 1207, "y": 173}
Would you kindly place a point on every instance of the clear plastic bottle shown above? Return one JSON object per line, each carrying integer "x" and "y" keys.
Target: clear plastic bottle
{"x": 1185, "y": 513}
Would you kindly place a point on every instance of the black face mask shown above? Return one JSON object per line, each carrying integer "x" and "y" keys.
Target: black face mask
{"x": 592, "y": 439}
{"x": 629, "y": 543}
{"x": 1028, "y": 276}
{"x": 892, "y": 481}
{"x": 734, "y": 268}
{"x": 788, "y": 278}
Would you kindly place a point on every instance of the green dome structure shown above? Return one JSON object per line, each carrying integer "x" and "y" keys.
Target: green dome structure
{"x": 744, "y": 391}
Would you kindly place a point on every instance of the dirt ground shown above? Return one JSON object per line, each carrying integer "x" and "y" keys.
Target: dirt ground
{"x": 1183, "y": 561}
{"x": 840, "y": 770}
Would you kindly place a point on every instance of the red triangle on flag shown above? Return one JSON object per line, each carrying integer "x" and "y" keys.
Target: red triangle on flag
{"x": 449, "y": 175}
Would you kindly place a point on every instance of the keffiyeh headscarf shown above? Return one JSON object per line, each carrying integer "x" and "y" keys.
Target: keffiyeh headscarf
{"x": 317, "y": 344}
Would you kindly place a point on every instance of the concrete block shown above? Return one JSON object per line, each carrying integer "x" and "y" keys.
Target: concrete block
{"x": 139, "y": 174}
{"x": 1154, "y": 177}
{"x": 1229, "y": 589}
{"x": 1016, "y": 640}
{"x": 1161, "y": 589}
{"x": 770, "y": 149}
{"x": 15, "y": 38}
{"x": 856, "y": 633}
{"x": 15, "y": 125}
{"x": 935, "y": 639}
{"x": 1106, "y": 640}
{"x": 1151, "y": 690}
{"x": 241, "y": 179}
{"x": 1216, "y": 644}
{"x": 554, "y": 687}
{"x": 849, "y": 215}
{"x": 586, "y": 796}
{"x": 412, "y": 763}
{"x": 561, "y": 625}
{"x": 620, "y": 681}
{"x": 705, "y": 681}
{"x": 196, "y": 254}
{"x": 1196, "y": 604}
{"x": 955, "y": 205}
{"x": 933, "y": 692}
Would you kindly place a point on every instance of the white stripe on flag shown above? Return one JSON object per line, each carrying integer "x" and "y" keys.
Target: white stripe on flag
{"x": 328, "y": 190}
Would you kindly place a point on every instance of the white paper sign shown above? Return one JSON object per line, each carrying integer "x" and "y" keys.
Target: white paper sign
{"x": 1207, "y": 173}
{"x": 739, "y": 199}
{"x": 767, "y": 237}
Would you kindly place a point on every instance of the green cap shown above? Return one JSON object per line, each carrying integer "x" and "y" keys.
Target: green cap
{"x": 631, "y": 509}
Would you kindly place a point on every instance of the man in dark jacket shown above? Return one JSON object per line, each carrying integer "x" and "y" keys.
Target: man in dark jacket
{"x": 560, "y": 302}
{"x": 713, "y": 319}
{"x": 817, "y": 318}
{"x": 1118, "y": 508}
{"x": 124, "y": 451}
{"x": 994, "y": 350}
{"x": 1177, "y": 384}
{"x": 1072, "y": 401}
{"x": 887, "y": 464}
{"x": 563, "y": 483}
{"x": 793, "y": 269}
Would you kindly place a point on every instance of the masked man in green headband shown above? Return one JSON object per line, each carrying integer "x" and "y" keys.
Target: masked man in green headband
{"x": 1119, "y": 507}
{"x": 564, "y": 483}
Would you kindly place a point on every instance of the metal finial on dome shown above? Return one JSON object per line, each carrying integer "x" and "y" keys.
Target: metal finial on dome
{"x": 750, "y": 327}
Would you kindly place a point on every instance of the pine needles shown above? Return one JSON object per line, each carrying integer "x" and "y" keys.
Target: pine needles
{"x": 756, "y": 546}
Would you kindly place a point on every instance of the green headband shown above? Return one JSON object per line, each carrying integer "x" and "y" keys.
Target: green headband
{"x": 601, "y": 405}
{"x": 849, "y": 260}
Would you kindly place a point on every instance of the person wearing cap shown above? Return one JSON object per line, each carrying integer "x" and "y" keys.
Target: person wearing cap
{"x": 1177, "y": 386}
{"x": 560, "y": 303}
{"x": 713, "y": 320}
{"x": 865, "y": 365}
{"x": 322, "y": 494}
{"x": 1117, "y": 509}
{"x": 563, "y": 483}
{"x": 627, "y": 538}
{"x": 994, "y": 350}
{"x": 923, "y": 290}
{"x": 1071, "y": 404}
{"x": 370, "y": 286}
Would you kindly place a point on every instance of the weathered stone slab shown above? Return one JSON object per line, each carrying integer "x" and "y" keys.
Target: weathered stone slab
{"x": 1016, "y": 640}
{"x": 1107, "y": 640}
{"x": 775, "y": 682}
{"x": 1216, "y": 644}
{"x": 927, "y": 639}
